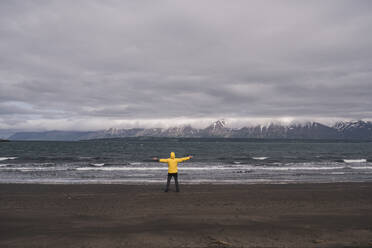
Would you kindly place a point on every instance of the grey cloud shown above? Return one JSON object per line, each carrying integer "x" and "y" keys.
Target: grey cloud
{"x": 113, "y": 61}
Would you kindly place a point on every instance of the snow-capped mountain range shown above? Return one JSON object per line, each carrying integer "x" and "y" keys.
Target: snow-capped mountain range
{"x": 309, "y": 130}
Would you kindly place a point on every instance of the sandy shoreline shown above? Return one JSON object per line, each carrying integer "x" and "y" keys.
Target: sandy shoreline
{"x": 262, "y": 215}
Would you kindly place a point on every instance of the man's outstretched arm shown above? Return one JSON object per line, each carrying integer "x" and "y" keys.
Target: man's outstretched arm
{"x": 161, "y": 160}
{"x": 185, "y": 158}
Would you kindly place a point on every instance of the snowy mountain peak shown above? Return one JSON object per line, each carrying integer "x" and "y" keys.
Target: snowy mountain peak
{"x": 345, "y": 125}
{"x": 112, "y": 131}
{"x": 218, "y": 124}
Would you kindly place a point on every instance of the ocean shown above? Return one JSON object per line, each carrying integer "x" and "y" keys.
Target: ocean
{"x": 219, "y": 161}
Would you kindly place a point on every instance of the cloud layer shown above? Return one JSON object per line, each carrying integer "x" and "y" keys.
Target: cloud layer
{"x": 95, "y": 64}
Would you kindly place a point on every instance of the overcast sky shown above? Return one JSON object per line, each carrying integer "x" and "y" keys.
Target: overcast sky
{"x": 96, "y": 64}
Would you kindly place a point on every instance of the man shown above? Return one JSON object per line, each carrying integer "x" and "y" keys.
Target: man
{"x": 172, "y": 168}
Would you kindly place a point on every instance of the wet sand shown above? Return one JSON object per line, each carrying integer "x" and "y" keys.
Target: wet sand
{"x": 293, "y": 215}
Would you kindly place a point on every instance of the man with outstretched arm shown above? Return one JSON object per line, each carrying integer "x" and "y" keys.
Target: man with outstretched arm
{"x": 172, "y": 168}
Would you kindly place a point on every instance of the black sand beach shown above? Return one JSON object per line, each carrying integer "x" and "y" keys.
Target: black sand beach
{"x": 293, "y": 215}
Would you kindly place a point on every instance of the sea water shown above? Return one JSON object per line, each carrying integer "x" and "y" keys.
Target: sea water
{"x": 215, "y": 161}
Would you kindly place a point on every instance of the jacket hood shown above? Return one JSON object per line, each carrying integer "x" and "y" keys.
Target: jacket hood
{"x": 172, "y": 155}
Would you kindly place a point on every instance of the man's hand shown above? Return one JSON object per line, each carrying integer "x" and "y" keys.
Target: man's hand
{"x": 155, "y": 158}
{"x": 190, "y": 156}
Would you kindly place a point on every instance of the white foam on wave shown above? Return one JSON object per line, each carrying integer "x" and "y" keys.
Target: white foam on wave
{"x": 362, "y": 160}
{"x": 34, "y": 165}
{"x": 259, "y": 158}
{"x": 314, "y": 168}
{"x": 98, "y": 164}
{"x": 118, "y": 168}
{"x": 362, "y": 167}
{"x": 150, "y": 168}
{"x": 287, "y": 168}
{"x": 44, "y": 164}
{"x": 32, "y": 169}
{"x": 135, "y": 163}
{"x": 7, "y": 158}
{"x": 300, "y": 168}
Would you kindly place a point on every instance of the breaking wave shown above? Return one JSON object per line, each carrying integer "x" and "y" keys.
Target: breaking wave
{"x": 98, "y": 164}
{"x": 259, "y": 158}
{"x": 7, "y": 158}
{"x": 362, "y": 160}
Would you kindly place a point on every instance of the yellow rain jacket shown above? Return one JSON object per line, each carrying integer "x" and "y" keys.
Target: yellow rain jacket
{"x": 173, "y": 162}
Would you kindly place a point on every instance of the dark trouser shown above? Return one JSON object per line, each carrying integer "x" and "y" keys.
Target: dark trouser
{"x": 170, "y": 175}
